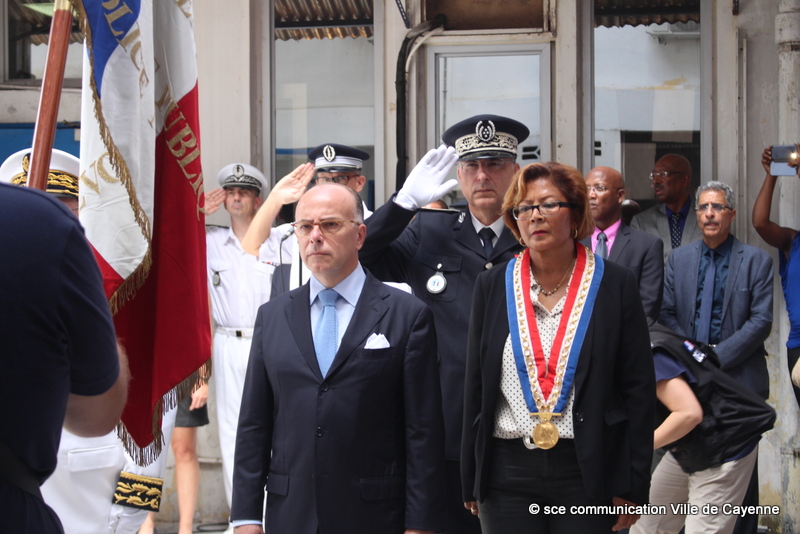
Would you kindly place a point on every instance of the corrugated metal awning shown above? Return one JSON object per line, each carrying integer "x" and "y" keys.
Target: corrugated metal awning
{"x": 320, "y": 19}
{"x": 611, "y": 13}
{"x": 37, "y": 14}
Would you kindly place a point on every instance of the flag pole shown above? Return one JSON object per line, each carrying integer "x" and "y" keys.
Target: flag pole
{"x": 44, "y": 132}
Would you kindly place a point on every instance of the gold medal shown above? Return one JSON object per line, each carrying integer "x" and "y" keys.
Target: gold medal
{"x": 545, "y": 435}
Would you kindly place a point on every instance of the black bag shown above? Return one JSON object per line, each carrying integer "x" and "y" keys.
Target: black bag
{"x": 733, "y": 415}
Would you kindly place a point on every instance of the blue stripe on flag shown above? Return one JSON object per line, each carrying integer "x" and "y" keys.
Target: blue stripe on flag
{"x": 110, "y": 23}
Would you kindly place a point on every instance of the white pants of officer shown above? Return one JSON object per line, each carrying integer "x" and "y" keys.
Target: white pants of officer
{"x": 230, "y": 367}
{"x": 82, "y": 487}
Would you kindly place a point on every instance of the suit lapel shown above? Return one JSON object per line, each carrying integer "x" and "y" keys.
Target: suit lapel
{"x": 299, "y": 317}
{"x": 662, "y": 225}
{"x": 370, "y": 309}
{"x": 689, "y": 288}
{"x": 505, "y": 242}
{"x": 620, "y": 242}
{"x": 466, "y": 234}
{"x": 737, "y": 253}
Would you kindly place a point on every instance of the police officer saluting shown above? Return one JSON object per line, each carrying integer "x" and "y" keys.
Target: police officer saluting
{"x": 441, "y": 252}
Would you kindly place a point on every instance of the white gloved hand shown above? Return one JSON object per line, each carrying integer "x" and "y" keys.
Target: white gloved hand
{"x": 424, "y": 183}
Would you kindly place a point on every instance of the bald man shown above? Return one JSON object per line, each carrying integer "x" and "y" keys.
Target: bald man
{"x": 639, "y": 251}
{"x": 671, "y": 179}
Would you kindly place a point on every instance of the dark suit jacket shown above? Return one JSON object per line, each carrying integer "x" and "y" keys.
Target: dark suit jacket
{"x": 436, "y": 241}
{"x": 654, "y": 221}
{"x": 614, "y": 389}
{"x": 642, "y": 253}
{"x": 361, "y": 450}
{"x": 746, "y": 308}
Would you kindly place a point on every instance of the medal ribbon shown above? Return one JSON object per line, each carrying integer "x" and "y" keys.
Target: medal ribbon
{"x": 540, "y": 379}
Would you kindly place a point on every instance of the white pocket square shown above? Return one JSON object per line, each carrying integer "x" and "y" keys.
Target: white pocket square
{"x": 377, "y": 341}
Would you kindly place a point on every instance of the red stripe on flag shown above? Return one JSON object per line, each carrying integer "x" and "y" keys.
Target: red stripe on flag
{"x": 166, "y": 327}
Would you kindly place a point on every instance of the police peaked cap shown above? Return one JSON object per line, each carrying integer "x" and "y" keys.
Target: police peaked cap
{"x": 242, "y": 175}
{"x": 62, "y": 176}
{"x": 331, "y": 157}
{"x": 486, "y": 136}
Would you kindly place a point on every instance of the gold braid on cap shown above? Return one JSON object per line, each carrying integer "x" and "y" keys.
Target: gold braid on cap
{"x": 501, "y": 142}
{"x": 58, "y": 182}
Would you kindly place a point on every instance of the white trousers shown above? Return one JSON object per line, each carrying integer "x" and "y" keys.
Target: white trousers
{"x": 724, "y": 484}
{"x": 81, "y": 489}
{"x": 230, "y": 367}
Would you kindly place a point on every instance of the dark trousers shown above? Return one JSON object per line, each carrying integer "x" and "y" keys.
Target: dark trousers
{"x": 459, "y": 519}
{"x": 523, "y": 482}
{"x": 23, "y": 513}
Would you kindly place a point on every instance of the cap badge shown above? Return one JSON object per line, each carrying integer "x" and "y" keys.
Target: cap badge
{"x": 329, "y": 153}
{"x": 485, "y": 132}
{"x": 238, "y": 171}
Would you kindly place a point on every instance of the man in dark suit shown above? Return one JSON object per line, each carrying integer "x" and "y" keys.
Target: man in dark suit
{"x": 341, "y": 414}
{"x": 639, "y": 251}
{"x": 671, "y": 219}
{"x": 441, "y": 253}
{"x": 719, "y": 291}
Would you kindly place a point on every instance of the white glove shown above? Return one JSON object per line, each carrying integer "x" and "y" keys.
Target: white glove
{"x": 424, "y": 183}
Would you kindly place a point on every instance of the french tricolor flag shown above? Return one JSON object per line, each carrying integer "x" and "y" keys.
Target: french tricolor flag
{"x": 141, "y": 199}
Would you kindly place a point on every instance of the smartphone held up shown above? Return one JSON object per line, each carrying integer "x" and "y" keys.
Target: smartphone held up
{"x": 782, "y": 155}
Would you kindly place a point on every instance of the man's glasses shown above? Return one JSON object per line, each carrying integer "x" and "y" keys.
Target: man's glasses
{"x": 327, "y": 227}
{"x": 715, "y": 207}
{"x": 332, "y": 179}
{"x": 524, "y": 212}
{"x": 600, "y": 189}
{"x": 662, "y": 174}
{"x": 491, "y": 165}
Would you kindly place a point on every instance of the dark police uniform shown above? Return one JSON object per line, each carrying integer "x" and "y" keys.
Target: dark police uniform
{"x": 439, "y": 254}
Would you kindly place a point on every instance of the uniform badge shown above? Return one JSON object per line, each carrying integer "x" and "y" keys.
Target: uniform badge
{"x": 485, "y": 132}
{"x": 215, "y": 278}
{"x": 461, "y": 217}
{"x": 238, "y": 171}
{"x": 329, "y": 153}
{"x": 437, "y": 282}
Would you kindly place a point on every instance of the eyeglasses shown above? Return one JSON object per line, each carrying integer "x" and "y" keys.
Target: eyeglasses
{"x": 524, "y": 212}
{"x": 715, "y": 207}
{"x": 327, "y": 227}
{"x": 663, "y": 174}
{"x": 329, "y": 179}
{"x": 600, "y": 189}
{"x": 491, "y": 165}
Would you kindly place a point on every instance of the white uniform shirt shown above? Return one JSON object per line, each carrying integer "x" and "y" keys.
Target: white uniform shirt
{"x": 238, "y": 282}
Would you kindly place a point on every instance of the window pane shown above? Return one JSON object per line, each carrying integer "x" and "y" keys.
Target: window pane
{"x": 647, "y": 100}
{"x": 324, "y": 94}
{"x": 29, "y": 32}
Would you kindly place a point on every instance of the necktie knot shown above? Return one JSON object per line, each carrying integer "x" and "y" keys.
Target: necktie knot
{"x": 487, "y": 234}
{"x": 328, "y": 297}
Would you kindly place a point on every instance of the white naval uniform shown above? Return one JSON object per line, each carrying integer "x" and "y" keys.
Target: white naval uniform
{"x": 296, "y": 277}
{"x": 238, "y": 284}
{"x": 81, "y": 488}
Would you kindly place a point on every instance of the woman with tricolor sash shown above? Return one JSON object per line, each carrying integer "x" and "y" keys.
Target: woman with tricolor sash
{"x": 559, "y": 388}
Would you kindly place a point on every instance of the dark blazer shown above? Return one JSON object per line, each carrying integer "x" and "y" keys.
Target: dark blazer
{"x": 614, "y": 389}
{"x": 361, "y": 450}
{"x": 436, "y": 241}
{"x": 746, "y": 308}
{"x": 643, "y": 254}
{"x": 654, "y": 221}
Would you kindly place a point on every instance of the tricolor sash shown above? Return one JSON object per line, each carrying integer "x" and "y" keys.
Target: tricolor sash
{"x": 546, "y": 385}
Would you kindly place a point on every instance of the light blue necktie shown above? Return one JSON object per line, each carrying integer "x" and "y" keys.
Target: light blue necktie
{"x": 706, "y": 303}
{"x": 326, "y": 336}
